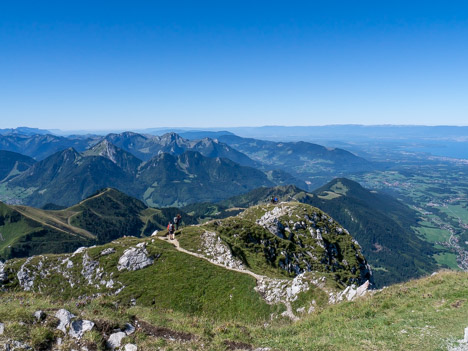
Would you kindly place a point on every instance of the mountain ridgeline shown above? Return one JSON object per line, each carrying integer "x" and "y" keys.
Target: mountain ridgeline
{"x": 68, "y": 177}
{"x": 380, "y": 223}
{"x": 104, "y": 216}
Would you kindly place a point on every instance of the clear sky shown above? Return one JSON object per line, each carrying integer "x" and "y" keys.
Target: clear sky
{"x": 141, "y": 64}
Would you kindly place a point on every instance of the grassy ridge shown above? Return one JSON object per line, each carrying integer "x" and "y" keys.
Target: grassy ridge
{"x": 103, "y": 217}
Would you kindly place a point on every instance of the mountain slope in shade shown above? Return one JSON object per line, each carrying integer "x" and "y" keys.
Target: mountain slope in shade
{"x": 166, "y": 180}
{"x": 68, "y": 177}
{"x": 191, "y": 177}
{"x": 40, "y": 147}
{"x": 12, "y": 164}
{"x": 313, "y": 163}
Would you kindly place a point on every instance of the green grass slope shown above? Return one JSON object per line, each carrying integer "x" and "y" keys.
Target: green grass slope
{"x": 104, "y": 216}
{"x": 287, "y": 240}
{"x": 380, "y": 223}
{"x": 181, "y": 302}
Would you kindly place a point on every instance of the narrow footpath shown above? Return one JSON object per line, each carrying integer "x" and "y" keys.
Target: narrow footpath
{"x": 289, "y": 312}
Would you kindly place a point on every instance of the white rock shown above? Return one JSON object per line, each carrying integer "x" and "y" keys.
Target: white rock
{"x": 131, "y": 347}
{"x": 115, "y": 340}
{"x": 25, "y": 277}
{"x": 79, "y": 250}
{"x": 2, "y": 328}
{"x": 134, "y": 258}
{"x": 362, "y": 290}
{"x": 155, "y": 233}
{"x": 466, "y": 335}
{"x": 78, "y": 328}
{"x": 65, "y": 317}
{"x": 108, "y": 251}
{"x": 40, "y": 315}
{"x": 3, "y": 275}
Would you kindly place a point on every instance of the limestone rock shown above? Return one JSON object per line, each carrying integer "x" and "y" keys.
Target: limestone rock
{"x": 2, "y": 328}
{"x": 89, "y": 268}
{"x": 115, "y": 340}
{"x": 39, "y": 315}
{"x": 218, "y": 252}
{"x": 134, "y": 259}
{"x": 26, "y": 277}
{"x": 131, "y": 347}
{"x": 108, "y": 251}
{"x": 3, "y": 274}
{"x": 466, "y": 335}
{"x": 270, "y": 221}
{"x": 64, "y": 317}
{"x": 78, "y": 328}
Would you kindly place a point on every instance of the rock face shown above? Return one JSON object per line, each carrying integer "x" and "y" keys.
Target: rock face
{"x": 286, "y": 290}
{"x": 25, "y": 276}
{"x": 134, "y": 258}
{"x": 350, "y": 293}
{"x": 270, "y": 221}
{"x": 218, "y": 252}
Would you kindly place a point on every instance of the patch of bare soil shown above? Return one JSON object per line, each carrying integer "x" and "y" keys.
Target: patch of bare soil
{"x": 165, "y": 333}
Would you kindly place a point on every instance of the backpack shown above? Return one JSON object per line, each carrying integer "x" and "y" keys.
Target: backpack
{"x": 176, "y": 220}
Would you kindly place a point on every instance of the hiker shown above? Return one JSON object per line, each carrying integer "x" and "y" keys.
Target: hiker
{"x": 170, "y": 230}
{"x": 177, "y": 221}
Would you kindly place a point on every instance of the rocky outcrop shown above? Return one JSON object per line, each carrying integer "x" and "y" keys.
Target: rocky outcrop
{"x": 270, "y": 221}
{"x": 135, "y": 258}
{"x": 65, "y": 318}
{"x": 218, "y": 252}
{"x": 108, "y": 251}
{"x": 3, "y": 274}
{"x": 350, "y": 293}
{"x": 286, "y": 290}
{"x": 89, "y": 268}
{"x": 26, "y": 277}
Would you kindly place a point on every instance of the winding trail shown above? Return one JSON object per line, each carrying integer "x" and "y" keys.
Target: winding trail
{"x": 289, "y": 312}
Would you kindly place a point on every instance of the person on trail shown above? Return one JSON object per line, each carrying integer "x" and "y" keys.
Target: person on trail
{"x": 170, "y": 230}
{"x": 177, "y": 221}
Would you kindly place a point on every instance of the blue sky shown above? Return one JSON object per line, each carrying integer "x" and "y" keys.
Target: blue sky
{"x": 141, "y": 64}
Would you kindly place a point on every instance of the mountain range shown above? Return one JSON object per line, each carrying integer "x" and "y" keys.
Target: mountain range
{"x": 68, "y": 176}
{"x": 303, "y": 162}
